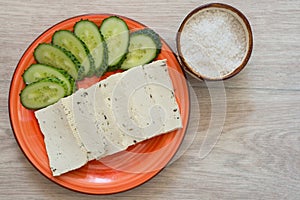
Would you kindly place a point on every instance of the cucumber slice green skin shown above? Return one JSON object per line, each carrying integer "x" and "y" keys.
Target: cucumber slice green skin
{"x": 42, "y": 93}
{"x": 88, "y": 32}
{"x": 72, "y": 43}
{"x": 37, "y": 72}
{"x": 116, "y": 35}
{"x": 58, "y": 57}
{"x": 144, "y": 47}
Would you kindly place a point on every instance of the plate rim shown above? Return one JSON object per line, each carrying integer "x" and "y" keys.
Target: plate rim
{"x": 150, "y": 174}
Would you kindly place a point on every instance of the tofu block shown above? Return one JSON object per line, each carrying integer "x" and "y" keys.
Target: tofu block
{"x": 108, "y": 117}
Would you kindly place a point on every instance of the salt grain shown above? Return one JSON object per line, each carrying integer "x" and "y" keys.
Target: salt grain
{"x": 213, "y": 43}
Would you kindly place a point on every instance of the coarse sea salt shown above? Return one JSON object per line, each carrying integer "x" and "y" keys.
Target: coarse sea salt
{"x": 213, "y": 43}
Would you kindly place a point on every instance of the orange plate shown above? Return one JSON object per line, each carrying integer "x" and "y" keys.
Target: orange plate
{"x": 116, "y": 173}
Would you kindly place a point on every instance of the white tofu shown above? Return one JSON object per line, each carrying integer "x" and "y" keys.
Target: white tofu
{"x": 162, "y": 92}
{"x": 120, "y": 111}
{"x": 67, "y": 108}
{"x": 143, "y": 101}
{"x": 115, "y": 139}
{"x": 63, "y": 151}
{"x": 85, "y": 122}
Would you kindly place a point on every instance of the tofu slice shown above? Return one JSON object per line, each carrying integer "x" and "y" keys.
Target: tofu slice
{"x": 115, "y": 139}
{"x": 161, "y": 90}
{"x": 67, "y": 107}
{"x": 144, "y": 103}
{"x": 85, "y": 122}
{"x": 62, "y": 147}
{"x": 79, "y": 109}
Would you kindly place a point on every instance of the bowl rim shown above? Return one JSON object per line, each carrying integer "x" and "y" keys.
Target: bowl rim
{"x": 248, "y": 31}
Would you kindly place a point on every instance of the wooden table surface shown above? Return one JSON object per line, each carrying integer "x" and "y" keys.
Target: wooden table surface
{"x": 256, "y": 113}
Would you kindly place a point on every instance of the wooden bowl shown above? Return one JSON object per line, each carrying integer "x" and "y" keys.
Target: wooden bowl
{"x": 214, "y": 42}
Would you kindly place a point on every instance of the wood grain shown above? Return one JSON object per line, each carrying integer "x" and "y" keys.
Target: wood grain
{"x": 257, "y": 156}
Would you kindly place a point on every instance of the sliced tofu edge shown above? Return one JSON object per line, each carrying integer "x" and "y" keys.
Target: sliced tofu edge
{"x": 115, "y": 140}
{"x": 67, "y": 107}
{"x": 85, "y": 122}
{"x": 63, "y": 151}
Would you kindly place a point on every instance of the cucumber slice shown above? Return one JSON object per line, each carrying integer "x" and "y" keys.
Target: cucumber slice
{"x": 72, "y": 43}
{"x": 58, "y": 57}
{"x": 42, "y": 93}
{"x": 89, "y": 33}
{"x": 144, "y": 47}
{"x": 37, "y": 72}
{"x": 116, "y": 35}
